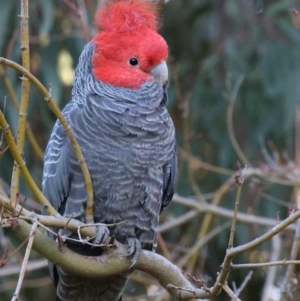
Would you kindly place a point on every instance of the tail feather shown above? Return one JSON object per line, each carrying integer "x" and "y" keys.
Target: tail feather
{"x": 75, "y": 288}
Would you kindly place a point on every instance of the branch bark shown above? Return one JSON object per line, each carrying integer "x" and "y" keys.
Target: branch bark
{"x": 113, "y": 261}
{"x": 15, "y": 181}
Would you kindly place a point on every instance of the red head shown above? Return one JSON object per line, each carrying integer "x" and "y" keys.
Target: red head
{"x": 129, "y": 50}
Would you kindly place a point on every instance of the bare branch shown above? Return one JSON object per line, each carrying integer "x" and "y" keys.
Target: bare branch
{"x": 201, "y": 242}
{"x": 113, "y": 261}
{"x": 31, "y": 266}
{"x": 217, "y": 210}
{"x": 15, "y": 181}
{"x": 243, "y": 285}
{"x": 25, "y": 261}
{"x": 271, "y": 272}
{"x": 82, "y": 21}
{"x": 263, "y": 264}
{"x": 21, "y": 165}
{"x": 68, "y": 130}
{"x": 230, "y": 293}
{"x": 293, "y": 256}
{"x": 231, "y": 97}
{"x": 239, "y": 179}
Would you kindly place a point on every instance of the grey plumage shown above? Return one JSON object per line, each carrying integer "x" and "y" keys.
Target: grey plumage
{"x": 128, "y": 140}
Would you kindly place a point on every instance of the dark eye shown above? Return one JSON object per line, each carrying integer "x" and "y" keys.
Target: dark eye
{"x": 133, "y": 61}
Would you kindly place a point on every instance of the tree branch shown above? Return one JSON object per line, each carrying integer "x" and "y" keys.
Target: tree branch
{"x": 49, "y": 221}
{"x": 68, "y": 130}
{"x": 112, "y": 262}
{"x": 35, "y": 145}
{"x": 25, "y": 261}
{"x": 21, "y": 165}
{"x": 15, "y": 181}
{"x": 219, "y": 211}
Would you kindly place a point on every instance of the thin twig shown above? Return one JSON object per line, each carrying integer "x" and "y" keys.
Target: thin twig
{"x": 219, "y": 211}
{"x": 82, "y": 22}
{"x": 31, "y": 266}
{"x": 50, "y": 221}
{"x": 21, "y": 165}
{"x": 244, "y": 283}
{"x": 263, "y": 264}
{"x": 297, "y": 138}
{"x": 83, "y": 19}
{"x": 209, "y": 216}
{"x": 6, "y": 259}
{"x": 296, "y": 242}
{"x": 290, "y": 268}
{"x": 197, "y": 163}
{"x": 230, "y": 293}
{"x": 25, "y": 261}
{"x": 11, "y": 43}
{"x": 267, "y": 157}
{"x": 239, "y": 179}
{"x": 68, "y": 130}
{"x": 231, "y": 253}
{"x": 178, "y": 221}
{"x": 184, "y": 105}
{"x": 277, "y": 201}
{"x": 30, "y": 203}
{"x": 27, "y": 283}
{"x": 163, "y": 246}
{"x": 15, "y": 181}
{"x": 198, "y": 245}
{"x": 271, "y": 272}
{"x": 35, "y": 145}
{"x": 230, "y": 96}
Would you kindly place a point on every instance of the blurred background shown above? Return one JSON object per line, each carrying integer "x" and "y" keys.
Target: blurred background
{"x": 234, "y": 96}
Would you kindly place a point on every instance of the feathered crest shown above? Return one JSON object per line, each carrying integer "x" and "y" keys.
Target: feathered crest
{"x": 128, "y": 16}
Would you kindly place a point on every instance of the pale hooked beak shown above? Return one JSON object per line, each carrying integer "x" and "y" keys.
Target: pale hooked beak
{"x": 160, "y": 73}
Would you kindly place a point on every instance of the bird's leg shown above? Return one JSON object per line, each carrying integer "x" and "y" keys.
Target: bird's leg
{"x": 134, "y": 250}
{"x": 102, "y": 235}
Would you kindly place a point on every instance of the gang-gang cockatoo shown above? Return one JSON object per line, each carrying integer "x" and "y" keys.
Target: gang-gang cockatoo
{"x": 119, "y": 117}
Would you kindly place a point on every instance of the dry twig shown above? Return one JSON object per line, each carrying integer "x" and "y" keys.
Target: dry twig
{"x": 31, "y": 266}
{"x": 290, "y": 268}
{"x": 230, "y": 293}
{"x": 12, "y": 94}
{"x": 230, "y": 95}
{"x": 15, "y": 181}
{"x": 25, "y": 261}
{"x": 68, "y": 130}
{"x": 79, "y": 13}
{"x": 21, "y": 165}
{"x": 239, "y": 179}
{"x": 243, "y": 285}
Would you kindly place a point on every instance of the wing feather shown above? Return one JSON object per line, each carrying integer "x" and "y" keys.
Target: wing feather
{"x": 170, "y": 178}
{"x": 56, "y": 174}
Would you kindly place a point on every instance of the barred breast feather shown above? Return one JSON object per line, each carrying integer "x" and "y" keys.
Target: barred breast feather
{"x": 128, "y": 141}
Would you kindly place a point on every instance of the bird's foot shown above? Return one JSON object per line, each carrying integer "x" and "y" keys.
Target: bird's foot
{"x": 134, "y": 250}
{"x": 102, "y": 235}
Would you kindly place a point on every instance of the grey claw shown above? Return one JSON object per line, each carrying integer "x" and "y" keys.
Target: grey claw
{"x": 134, "y": 250}
{"x": 102, "y": 235}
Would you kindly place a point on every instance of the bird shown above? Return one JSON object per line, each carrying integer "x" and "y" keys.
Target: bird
{"x": 119, "y": 117}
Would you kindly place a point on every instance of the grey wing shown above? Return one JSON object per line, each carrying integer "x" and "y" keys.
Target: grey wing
{"x": 63, "y": 182}
{"x": 57, "y": 176}
{"x": 56, "y": 168}
{"x": 170, "y": 178}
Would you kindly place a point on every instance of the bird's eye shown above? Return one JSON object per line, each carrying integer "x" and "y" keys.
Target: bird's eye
{"x": 133, "y": 61}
